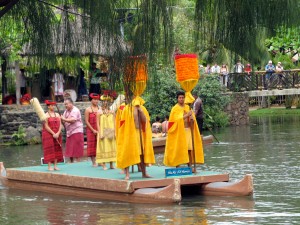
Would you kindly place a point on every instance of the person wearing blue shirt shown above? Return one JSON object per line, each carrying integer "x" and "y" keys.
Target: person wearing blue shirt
{"x": 270, "y": 69}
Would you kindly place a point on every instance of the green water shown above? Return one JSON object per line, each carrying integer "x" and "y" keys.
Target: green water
{"x": 268, "y": 148}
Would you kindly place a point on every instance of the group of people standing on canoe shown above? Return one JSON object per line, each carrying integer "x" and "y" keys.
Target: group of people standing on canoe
{"x": 122, "y": 136}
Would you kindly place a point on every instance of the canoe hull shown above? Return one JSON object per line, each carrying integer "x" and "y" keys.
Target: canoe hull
{"x": 160, "y": 142}
{"x": 244, "y": 187}
{"x": 160, "y": 190}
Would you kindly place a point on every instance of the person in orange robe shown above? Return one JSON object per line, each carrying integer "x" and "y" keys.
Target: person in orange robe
{"x": 179, "y": 146}
{"x": 136, "y": 145}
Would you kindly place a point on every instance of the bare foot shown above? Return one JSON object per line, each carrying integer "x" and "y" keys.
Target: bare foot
{"x": 56, "y": 168}
{"x": 122, "y": 172}
{"x": 127, "y": 178}
{"x": 104, "y": 167}
{"x": 50, "y": 169}
{"x": 147, "y": 176}
{"x": 95, "y": 165}
{"x": 111, "y": 167}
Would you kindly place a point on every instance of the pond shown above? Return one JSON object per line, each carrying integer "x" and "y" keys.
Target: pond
{"x": 268, "y": 148}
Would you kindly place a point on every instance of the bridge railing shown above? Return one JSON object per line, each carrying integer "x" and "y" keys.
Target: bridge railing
{"x": 260, "y": 80}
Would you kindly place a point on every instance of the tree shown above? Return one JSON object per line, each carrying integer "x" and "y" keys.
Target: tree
{"x": 214, "y": 101}
{"x": 284, "y": 45}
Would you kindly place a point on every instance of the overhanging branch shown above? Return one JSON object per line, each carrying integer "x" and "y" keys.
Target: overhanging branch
{"x": 7, "y": 6}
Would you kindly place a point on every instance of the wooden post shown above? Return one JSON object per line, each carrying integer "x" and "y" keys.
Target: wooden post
{"x": 3, "y": 79}
{"x": 18, "y": 84}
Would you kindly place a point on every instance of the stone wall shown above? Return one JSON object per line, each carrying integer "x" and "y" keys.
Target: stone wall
{"x": 238, "y": 109}
{"x": 12, "y": 116}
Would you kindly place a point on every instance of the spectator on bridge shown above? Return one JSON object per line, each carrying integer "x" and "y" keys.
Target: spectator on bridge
{"x": 224, "y": 75}
{"x": 215, "y": 69}
{"x": 208, "y": 69}
{"x": 238, "y": 67}
{"x": 270, "y": 69}
{"x": 248, "y": 69}
{"x": 201, "y": 69}
{"x": 279, "y": 69}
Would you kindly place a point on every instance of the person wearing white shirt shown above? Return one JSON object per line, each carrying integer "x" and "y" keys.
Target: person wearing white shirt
{"x": 215, "y": 69}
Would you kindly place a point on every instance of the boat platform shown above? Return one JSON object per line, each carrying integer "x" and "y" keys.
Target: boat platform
{"x": 83, "y": 180}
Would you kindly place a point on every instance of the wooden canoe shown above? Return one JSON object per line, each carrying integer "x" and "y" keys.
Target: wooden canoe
{"x": 160, "y": 142}
{"x": 243, "y": 187}
{"x": 82, "y": 180}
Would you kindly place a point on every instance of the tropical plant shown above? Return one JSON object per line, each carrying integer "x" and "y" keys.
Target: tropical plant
{"x": 160, "y": 95}
{"x": 18, "y": 137}
{"x": 284, "y": 45}
{"x": 214, "y": 101}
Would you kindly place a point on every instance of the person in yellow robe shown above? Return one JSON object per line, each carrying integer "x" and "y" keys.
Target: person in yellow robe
{"x": 118, "y": 117}
{"x": 136, "y": 145}
{"x": 106, "y": 140}
{"x": 179, "y": 146}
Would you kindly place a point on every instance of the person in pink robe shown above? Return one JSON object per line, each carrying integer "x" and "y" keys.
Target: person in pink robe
{"x": 74, "y": 128}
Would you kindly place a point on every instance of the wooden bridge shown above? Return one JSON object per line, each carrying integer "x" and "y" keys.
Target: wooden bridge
{"x": 260, "y": 83}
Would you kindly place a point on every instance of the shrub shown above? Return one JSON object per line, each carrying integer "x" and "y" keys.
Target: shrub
{"x": 214, "y": 101}
{"x": 160, "y": 97}
{"x": 18, "y": 137}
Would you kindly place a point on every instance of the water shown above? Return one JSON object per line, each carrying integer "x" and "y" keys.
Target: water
{"x": 268, "y": 148}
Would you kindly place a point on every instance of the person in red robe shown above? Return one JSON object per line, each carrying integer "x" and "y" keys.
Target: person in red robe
{"x": 51, "y": 137}
{"x": 90, "y": 116}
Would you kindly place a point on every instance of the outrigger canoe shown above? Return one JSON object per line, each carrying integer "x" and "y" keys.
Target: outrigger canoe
{"x": 160, "y": 142}
{"x": 83, "y": 180}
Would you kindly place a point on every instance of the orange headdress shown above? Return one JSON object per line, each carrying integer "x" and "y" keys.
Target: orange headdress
{"x": 187, "y": 73}
{"x": 136, "y": 75}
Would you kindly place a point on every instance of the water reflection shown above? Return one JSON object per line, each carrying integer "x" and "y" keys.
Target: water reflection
{"x": 268, "y": 148}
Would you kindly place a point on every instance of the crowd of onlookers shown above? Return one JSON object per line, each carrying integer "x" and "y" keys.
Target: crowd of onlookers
{"x": 224, "y": 70}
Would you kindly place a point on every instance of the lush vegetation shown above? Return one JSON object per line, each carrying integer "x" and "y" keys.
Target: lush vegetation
{"x": 161, "y": 97}
{"x": 70, "y": 34}
{"x": 285, "y": 46}
{"x": 274, "y": 112}
{"x": 18, "y": 137}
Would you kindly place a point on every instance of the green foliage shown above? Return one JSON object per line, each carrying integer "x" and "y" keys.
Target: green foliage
{"x": 18, "y": 137}
{"x": 285, "y": 40}
{"x": 160, "y": 95}
{"x": 283, "y": 45}
{"x": 236, "y": 24}
{"x": 297, "y": 101}
{"x": 274, "y": 112}
{"x": 214, "y": 101}
{"x": 288, "y": 101}
{"x": 1, "y": 137}
{"x": 34, "y": 141}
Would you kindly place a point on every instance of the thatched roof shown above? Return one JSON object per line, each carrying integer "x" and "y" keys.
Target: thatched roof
{"x": 72, "y": 38}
